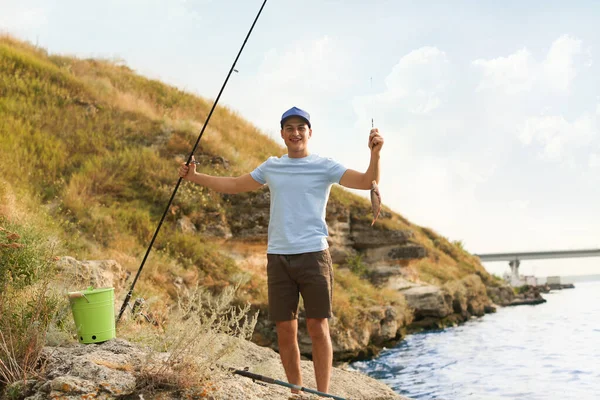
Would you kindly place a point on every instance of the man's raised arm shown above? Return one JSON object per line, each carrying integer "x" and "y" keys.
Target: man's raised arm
{"x": 222, "y": 184}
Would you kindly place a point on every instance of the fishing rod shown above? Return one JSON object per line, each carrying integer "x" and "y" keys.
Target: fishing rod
{"x": 232, "y": 69}
{"x": 266, "y": 379}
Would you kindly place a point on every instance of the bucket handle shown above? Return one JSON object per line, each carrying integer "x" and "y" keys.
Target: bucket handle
{"x": 78, "y": 295}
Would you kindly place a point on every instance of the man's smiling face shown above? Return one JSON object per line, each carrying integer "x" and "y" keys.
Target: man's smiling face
{"x": 295, "y": 134}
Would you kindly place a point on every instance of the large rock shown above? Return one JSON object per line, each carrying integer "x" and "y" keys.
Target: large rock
{"x": 394, "y": 253}
{"x": 455, "y": 302}
{"x": 501, "y": 295}
{"x": 348, "y": 384}
{"x": 380, "y": 275}
{"x": 340, "y": 244}
{"x": 469, "y": 296}
{"x": 364, "y": 236}
{"x": 428, "y": 301}
{"x": 209, "y": 159}
{"x": 105, "y": 371}
{"x": 78, "y": 275}
{"x": 379, "y": 326}
{"x": 398, "y": 282}
{"x": 216, "y": 225}
{"x": 118, "y": 369}
{"x": 248, "y": 217}
{"x": 528, "y": 295}
{"x": 185, "y": 225}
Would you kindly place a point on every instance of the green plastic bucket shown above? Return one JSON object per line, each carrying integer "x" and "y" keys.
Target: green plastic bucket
{"x": 94, "y": 314}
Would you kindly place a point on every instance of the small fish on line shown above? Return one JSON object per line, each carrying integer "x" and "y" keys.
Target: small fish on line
{"x": 375, "y": 201}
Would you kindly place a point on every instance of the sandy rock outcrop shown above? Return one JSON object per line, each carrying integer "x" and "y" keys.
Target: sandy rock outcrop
{"x": 118, "y": 369}
{"x": 501, "y": 295}
{"x": 456, "y": 301}
{"x": 78, "y": 275}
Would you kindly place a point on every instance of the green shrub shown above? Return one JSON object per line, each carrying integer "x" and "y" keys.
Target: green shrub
{"x": 27, "y": 305}
{"x": 357, "y": 266}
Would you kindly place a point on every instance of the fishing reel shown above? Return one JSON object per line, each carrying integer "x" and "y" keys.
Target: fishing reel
{"x": 139, "y": 305}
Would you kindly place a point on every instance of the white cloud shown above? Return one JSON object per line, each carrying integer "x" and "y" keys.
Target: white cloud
{"x": 415, "y": 84}
{"x": 19, "y": 18}
{"x": 557, "y": 136}
{"x": 468, "y": 174}
{"x": 303, "y": 75}
{"x": 594, "y": 161}
{"x": 307, "y": 67}
{"x": 512, "y": 74}
{"x": 458, "y": 167}
{"x": 520, "y": 72}
{"x": 519, "y": 204}
{"x": 558, "y": 67}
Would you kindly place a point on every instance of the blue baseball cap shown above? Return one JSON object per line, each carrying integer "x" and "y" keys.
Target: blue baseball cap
{"x": 296, "y": 112}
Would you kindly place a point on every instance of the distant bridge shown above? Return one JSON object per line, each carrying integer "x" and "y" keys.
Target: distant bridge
{"x": 539, "y": 255}
{"x": 514, "y": 259}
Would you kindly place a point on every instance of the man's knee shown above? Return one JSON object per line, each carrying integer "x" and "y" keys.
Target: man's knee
{"x": 318, "y": 328}
{"x": 287, "y": 331}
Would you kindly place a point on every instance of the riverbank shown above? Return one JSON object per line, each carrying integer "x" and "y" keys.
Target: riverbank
{"x": 120, "y": 368}
{"x": 540, "y": 352}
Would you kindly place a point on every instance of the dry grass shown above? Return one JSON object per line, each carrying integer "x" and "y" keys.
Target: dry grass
{"x": 191, "y": 346}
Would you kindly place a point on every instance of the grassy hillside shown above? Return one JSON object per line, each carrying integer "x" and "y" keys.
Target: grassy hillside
{"x": 92, "y": 148}
{"x": 100, "y": 146}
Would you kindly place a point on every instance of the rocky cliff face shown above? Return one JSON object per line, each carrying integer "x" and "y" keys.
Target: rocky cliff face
{"x": 380, "y": 250}
{"x": 379, "y": 327}
{"x": 350, "y": 234}
{"x": 385, "y": 254}
{"x": 456, "y": 301}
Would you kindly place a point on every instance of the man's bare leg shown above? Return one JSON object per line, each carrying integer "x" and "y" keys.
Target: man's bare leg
{"x": 289, "y": 352}
{"x": 322, "y": 352}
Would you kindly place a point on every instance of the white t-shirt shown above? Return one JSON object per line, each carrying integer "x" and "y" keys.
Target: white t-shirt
{"x": 299, "y": 192}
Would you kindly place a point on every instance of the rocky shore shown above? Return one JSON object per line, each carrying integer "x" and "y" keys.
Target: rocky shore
{"x": 118, "y": 369}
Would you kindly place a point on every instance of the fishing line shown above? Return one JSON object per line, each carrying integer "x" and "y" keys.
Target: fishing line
{"x": 372, "y": 125}
{"x": 232, "y": 69}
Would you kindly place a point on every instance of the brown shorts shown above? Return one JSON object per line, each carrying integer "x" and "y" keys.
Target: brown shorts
{"x": 309, "y": 274}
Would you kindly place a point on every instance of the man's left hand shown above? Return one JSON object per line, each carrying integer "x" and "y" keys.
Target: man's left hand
{"x": 375, "y": 141}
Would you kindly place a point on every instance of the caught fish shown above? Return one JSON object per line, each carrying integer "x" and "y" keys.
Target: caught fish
{"x": 375, "y": 201}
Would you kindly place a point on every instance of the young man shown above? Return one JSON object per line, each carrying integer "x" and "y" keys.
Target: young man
{"x": 297, "y": 253}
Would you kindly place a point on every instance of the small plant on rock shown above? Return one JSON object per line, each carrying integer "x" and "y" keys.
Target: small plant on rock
{"x": 202, "y": 329}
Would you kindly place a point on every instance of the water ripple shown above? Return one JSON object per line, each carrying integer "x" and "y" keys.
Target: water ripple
{"x": 548, "y": 351}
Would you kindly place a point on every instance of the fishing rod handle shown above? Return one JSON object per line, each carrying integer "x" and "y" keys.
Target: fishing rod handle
{"x": 256, "y": 377}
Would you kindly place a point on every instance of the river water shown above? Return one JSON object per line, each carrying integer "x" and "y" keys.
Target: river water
{"x": 547, "y": 351}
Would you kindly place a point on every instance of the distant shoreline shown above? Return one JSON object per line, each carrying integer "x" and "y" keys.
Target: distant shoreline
{"x": 573, "y": 278}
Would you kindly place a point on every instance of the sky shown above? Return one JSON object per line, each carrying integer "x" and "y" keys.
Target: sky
{"x": 490, "y": 111}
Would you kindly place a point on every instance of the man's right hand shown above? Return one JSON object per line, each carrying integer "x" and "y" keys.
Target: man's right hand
{"x": 187, "y": 171}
